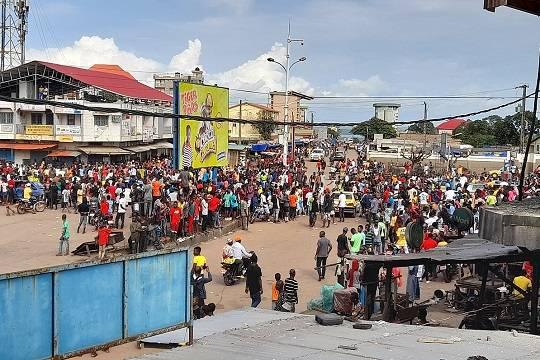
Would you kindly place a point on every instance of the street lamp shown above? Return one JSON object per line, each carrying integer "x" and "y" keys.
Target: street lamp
{"x": 287, "y": 68}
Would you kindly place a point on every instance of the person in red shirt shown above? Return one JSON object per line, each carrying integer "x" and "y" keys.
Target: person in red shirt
{"x": 104, "y": 207}
{"x": 175, "y": 214}
{"x": 103, "y": 238}
{"x": 429, "y": 243}
{"x": 213, "y": 207}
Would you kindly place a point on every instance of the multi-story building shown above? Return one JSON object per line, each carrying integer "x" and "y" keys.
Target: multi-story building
{"x": 30, "y": 132}
{"x": 165, "y": 82}
{"x": 297, "y": 111}
{"x": 387, "y": 112}
{"x": 247, "y": 133}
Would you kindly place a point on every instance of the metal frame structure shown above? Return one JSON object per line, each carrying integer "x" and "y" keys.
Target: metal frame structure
{"x": 443, "y": 256}
{"x": 14, "y": 26}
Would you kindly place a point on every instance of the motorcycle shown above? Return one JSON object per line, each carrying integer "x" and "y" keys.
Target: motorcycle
{"x": 260, "y": 214}
{"x": 32, "y": 205}
{"x": 233, "y": 272}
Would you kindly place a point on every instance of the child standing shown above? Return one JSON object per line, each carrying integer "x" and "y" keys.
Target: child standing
{"x": 277, "y": 292}
{"x": 63, "y": 246}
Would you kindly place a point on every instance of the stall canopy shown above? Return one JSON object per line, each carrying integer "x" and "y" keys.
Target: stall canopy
{"x": 139, "y": 148}
{"x": 259, "y": 147}
{"x": 20, "y": 146}
{"x": 161, "y": 145}
{"x": 466, "y": 250}
{"x": 64, "y": 153}
{"x": 104, "y": 150}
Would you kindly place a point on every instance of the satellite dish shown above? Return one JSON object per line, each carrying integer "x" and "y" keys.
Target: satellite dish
{"x": 463, "y": 219}
{"x": 414, "y": 234}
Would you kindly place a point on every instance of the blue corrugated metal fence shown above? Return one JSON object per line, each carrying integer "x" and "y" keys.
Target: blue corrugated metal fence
{"x": 71, "y": 309}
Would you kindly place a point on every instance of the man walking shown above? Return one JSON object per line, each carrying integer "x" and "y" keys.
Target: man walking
{"x": 63, "y": 246}
{"x": 254, "y": 282}
{"x": 321, "y": 254}
{"x": 342, "y": 199}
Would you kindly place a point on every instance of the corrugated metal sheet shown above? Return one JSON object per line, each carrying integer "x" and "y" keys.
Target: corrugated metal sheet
{"x": 25, "y": 317}
{"x": 88, "y": 306}
{"x": 301, "y": 337}
{"x": 157, "y": 295}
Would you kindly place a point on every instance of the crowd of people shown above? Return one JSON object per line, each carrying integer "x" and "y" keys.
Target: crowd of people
{"x": 165, "y": 203}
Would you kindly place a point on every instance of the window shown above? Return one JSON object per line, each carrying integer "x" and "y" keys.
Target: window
{"x": 71, "y": 119}
{"x": 6, "y": 118}
{"x": 49, "y": 118}
{"x": 101, "y": 120}
{"x": 37, "y": 119}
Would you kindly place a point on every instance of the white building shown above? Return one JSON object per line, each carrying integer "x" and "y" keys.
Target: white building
{"x": 387, "y": 112}
{"x": 30, "y": 132}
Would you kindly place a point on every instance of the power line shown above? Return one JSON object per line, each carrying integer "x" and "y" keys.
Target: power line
{"x": 241, "y": 121}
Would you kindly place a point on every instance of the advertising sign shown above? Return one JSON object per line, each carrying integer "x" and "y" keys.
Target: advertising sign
{"x": 68, "y": 130}
{"x": 203, "y": 143}
{"x": 39, "y": 129}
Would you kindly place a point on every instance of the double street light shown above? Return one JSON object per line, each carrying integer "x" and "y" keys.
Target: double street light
{"x": 287, "y": 68}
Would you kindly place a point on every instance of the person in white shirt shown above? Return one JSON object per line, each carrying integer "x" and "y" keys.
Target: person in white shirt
{"x": 342, "y": 202}
{"x": 423, "y": 197}
{"x": 121, "y": 214}
{"x": 239, "y": 251}
{"x": 204, "y": 213}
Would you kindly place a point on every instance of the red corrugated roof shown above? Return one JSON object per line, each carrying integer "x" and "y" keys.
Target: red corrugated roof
{"x": 451, "y": 124}
{"x": 111, "y": 82}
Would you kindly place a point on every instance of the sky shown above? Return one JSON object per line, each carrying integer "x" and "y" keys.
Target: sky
{"x": 353, "y": 48}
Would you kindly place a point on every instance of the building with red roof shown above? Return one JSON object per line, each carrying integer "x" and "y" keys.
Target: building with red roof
{"x": 450, "y": 125}
{"x": 70, "y": 133}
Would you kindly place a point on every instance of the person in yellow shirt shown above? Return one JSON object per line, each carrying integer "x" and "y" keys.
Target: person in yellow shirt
{"x": 522, "y": 282}
{"x": 198, "y": 259}
{"x": 401, "y": 242}
{"x": 27, "y": 192}
{"x": 491, "y": 200}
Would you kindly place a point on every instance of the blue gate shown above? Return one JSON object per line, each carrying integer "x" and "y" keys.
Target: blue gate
{"x": 68, "y": 310}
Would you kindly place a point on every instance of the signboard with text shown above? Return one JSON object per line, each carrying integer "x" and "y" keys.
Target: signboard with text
{"x": 39, "y": 130}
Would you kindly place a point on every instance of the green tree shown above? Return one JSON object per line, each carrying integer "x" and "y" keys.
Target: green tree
{"x": 267, "y": 126}
{"x": 375, "y": 126}
{"x": 477, "y": 133}
{"x": 332, "y": 132}
{"x": 419, "y": 128}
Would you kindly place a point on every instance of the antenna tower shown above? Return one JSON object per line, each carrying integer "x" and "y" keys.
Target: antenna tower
{"x": 14, "y": 25}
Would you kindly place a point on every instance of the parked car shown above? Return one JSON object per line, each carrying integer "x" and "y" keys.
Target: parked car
{"x": 38, "y": 191}
{"x": 339, "y": 156}
{"x": 316, "y": 154}
{"x": 352, "y": 203}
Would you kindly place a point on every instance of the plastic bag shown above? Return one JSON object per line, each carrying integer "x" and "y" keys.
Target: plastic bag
{"x": 315, "y": 304}
{"x": 327, "y": 295}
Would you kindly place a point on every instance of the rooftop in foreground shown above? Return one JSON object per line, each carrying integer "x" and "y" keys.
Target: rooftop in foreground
{"x": 300, "y": 337}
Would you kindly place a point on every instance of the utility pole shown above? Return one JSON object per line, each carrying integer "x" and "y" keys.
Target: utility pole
{"x": 287, "y": 67}
{"x": 523, "y": 122}
{"x": 425, "y": 123}
{"x": 240, "y": 126}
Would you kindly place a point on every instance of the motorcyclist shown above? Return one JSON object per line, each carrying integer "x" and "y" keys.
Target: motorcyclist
{"x": 240, "y": 254}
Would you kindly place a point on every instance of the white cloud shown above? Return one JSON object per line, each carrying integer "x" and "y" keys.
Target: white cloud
{"x": 358, "y": 87}
{"x": 261, "y": 75}
{"x": 188, "y": 59}
{"x": 255, "y": 74}
{"x": 90, "y": 50}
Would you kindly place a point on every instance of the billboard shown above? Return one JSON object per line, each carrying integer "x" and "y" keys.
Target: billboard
{"x": 203, "y": 143}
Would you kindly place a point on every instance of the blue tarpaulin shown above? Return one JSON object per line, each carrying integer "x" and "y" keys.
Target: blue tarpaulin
{"x": 259, "y": 147}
